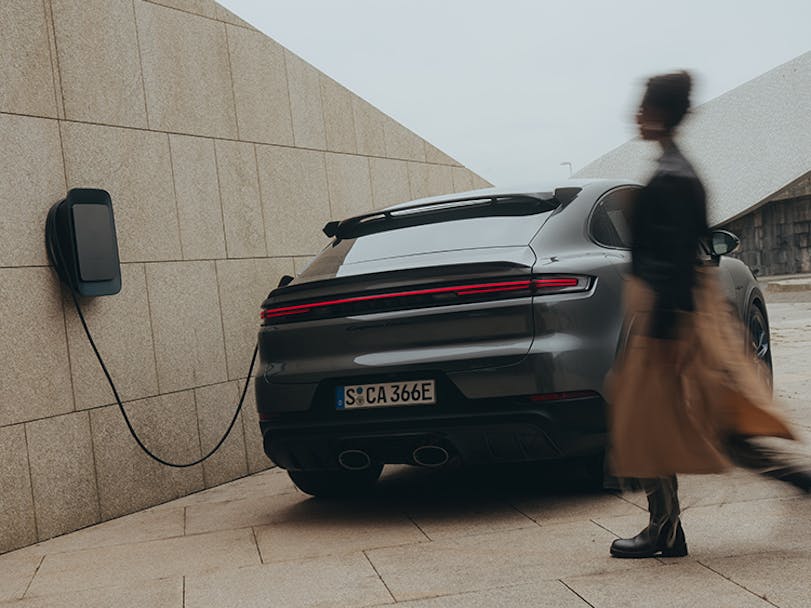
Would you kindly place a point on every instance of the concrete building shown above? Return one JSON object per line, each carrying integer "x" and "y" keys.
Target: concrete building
{"x": 752, "y": 147}
{"x": 224, "y": 154}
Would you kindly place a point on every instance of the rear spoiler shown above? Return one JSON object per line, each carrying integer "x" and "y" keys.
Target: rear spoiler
{"x": 421, "y": 214}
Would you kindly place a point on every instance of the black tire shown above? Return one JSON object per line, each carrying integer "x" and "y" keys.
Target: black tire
{"x": 759, "y": 339}
{"x": 336, "y": 484}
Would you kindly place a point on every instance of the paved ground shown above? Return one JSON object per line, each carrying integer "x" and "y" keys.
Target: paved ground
{"x": 427, "y": 540}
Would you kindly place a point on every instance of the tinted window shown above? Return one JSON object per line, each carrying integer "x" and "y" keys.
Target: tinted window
{"x": 474, "y": 233}
{"x": 611, "y": 220}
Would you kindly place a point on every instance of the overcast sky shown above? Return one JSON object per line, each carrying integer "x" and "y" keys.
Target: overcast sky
{"x": 513, "y": 88}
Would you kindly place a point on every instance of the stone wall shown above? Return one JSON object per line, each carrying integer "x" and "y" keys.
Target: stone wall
{"x": 776, "y": 237}
{"x": 224, "y": 154}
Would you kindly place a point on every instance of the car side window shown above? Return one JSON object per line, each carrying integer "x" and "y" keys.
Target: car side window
{"x": 610, "y": 222}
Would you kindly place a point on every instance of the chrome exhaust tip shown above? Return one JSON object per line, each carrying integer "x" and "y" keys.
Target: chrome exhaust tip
{"x": 354, "y": 460}
{"x": 430, "y": 456}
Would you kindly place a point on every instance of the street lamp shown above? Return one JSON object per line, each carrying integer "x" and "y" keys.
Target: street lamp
{"x": 566, "y": 162}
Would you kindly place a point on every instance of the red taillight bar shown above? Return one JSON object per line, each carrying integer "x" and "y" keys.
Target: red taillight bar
{"x": 460, "y": 290}
{"x": 557, "y": 282}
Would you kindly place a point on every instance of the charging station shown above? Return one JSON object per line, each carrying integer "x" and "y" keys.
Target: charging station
{"x": 80, "y": 238}
{"x": 82, "y": 245}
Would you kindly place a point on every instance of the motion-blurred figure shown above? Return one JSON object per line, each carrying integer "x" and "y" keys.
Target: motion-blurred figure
{"x": 685, "y": 396}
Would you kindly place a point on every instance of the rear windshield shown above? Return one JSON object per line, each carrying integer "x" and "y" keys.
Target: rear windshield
{"x": 474, "y": 233}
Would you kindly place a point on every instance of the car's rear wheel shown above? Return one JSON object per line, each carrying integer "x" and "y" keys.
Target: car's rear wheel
{"x": 334, "y": 484}
{"x": 759, "y": 341}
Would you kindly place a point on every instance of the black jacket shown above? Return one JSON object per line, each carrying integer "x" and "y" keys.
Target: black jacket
{"x": 669, "y": 220}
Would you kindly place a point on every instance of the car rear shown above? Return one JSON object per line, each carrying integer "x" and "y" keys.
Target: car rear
{"x": 413, "y": 338}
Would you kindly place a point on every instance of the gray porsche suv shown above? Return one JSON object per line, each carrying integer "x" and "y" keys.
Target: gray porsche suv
{"x": 473, "y": 328}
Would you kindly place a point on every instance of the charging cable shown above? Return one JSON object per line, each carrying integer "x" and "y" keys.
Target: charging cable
{"x": 124, "y": 411}
{"x": 55, "y": 254}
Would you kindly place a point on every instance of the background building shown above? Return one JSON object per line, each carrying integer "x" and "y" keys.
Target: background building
{"x": 752, "y": 147}
{"x": 224, "y": 154}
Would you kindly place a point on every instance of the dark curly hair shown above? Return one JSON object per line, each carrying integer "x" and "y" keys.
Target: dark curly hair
{"x": 670, "y": 95}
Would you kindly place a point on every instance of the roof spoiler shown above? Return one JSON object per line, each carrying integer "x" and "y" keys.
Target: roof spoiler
{"x": 408, "y": 215}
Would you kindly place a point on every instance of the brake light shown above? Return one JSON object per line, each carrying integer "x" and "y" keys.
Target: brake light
{"x": 455, "y": 294}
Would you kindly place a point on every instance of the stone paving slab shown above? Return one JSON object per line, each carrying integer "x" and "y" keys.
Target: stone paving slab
{"x": 543, "y": 594}
{"x": 346, "y": 581}
{"x": 480, "y": 562}
{"x": 687, "y": 583}
{"x": 158, "y": 593}
{"x": 461, "y": 518}
{"x": 98, "y": 567}
{"x": 152, "y": 524}
{"x": 335, "y": 531}
{"x": 17, "y": 569}
{"x": 783, "y": 578}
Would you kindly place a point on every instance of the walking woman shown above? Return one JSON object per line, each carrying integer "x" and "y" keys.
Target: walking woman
{"x": 685, "y": 396}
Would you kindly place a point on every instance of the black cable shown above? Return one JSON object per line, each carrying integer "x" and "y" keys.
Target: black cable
{"x": 124, "y": 412}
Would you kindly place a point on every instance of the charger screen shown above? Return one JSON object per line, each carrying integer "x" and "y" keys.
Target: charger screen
{"x": 96, "y": 250}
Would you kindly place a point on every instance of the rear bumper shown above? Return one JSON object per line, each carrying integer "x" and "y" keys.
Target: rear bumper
{"x": 489, "y": 431}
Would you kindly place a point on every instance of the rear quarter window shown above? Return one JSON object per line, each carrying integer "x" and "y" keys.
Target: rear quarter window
{"x": 610, "y": 221}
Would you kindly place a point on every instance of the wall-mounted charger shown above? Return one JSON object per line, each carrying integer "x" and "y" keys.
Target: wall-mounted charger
{"x": 81, "y": 241}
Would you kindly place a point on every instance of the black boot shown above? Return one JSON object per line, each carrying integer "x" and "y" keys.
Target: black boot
{"x": 664, "y": 535}
{"x": 655, "y": 540}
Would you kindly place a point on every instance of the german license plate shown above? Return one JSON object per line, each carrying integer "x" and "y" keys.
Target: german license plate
{"x": 413, "y": 392}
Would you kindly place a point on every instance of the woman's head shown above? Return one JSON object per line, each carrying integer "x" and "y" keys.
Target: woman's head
{"x": 666, "y": 101}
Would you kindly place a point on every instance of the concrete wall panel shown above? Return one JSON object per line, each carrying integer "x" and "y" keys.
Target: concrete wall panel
{"x": 32, "y": 179}
{"x": 99, "y": 63}
{"x": 34, "y": 370}
{"x": 62, "y": 474}
{"x": 186, "y": 72}
{"x": 241, "y": 205}
{"x": 305, "y": 103}
{"x": 402, "y": 143}
{"x": 295, "y": 199}
{"x": 186, "y": 324}
{"x": 350, "y": 186}
{"x": 338, "y": 120}
{"x": 194, "y": 169}
{"x": 260, "y": 87}
{"x": 135, "y": 168}
{"x": 122, "y": 320}
{"x": 204, "y": 8}
{"x": 17, "y": 526}
{"x": 128, "y": 480}
{"x": 369, "y": 125}
{"x": 462, "y": 179}
{"x": 437, "y": 156}
{"x": 25, "y": 60}
{"x": 243, "y": 285}
{"x": 390, "y": 183}
{"x": 215, "y": 408}
{"x": 430, "y": 180}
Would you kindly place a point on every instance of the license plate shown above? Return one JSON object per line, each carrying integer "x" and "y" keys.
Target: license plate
{"x": 414, "y": 392}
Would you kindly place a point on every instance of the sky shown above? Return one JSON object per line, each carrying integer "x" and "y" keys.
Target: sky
{"x": 513, "y": 88}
